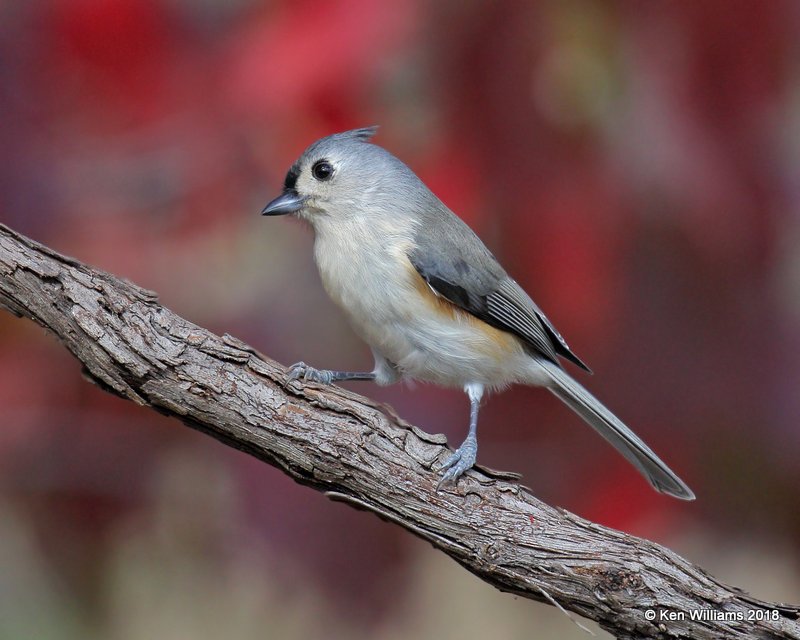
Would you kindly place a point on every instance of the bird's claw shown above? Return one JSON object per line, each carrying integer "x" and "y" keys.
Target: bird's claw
{"x": 459, "y": 461}
{"x": 309, "y": 374}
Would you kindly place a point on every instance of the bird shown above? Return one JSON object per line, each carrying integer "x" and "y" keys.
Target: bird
{"x": 431, "y": 301}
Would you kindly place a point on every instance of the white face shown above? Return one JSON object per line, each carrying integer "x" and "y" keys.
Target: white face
{"x": 343, "y": 177}
{"x": 342, "y": 180}
{"x": 317, "y": 181}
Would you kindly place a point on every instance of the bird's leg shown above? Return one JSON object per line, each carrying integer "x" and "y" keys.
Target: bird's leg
{"x": 464, "y": 457}
{"x": 325, "y": 376}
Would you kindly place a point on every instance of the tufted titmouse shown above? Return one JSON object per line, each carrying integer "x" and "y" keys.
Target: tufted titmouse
{"x": 428, "y": 297}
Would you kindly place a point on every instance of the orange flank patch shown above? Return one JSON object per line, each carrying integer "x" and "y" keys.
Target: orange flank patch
{"x": 493, "y": 342}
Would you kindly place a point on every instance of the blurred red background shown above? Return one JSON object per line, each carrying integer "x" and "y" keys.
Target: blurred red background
{"x": 633, "y": 165}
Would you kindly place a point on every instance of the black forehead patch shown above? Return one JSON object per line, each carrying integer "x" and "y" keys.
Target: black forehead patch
{"x": 291, "y": 177}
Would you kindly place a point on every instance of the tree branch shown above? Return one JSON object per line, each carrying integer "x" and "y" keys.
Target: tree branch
{"x": 344, "y": 445}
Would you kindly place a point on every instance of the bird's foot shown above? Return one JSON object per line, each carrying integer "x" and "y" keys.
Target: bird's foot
{"x": 460, "y": 461}
{"x": 309, "y": 374}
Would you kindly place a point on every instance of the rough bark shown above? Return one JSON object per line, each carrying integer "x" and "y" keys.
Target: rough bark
{"x": 357, "y": 452}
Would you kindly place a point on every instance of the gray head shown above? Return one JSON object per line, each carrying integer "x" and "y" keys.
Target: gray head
{"x": 345, "y": 175}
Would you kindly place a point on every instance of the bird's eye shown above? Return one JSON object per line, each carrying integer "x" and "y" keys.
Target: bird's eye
{"x": 322, "y": 170}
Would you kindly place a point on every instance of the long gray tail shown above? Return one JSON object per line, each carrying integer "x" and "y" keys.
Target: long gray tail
{"x": 612, "y": 429}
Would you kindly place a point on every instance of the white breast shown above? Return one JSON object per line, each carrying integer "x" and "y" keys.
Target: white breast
{"x": 366, "y": 271}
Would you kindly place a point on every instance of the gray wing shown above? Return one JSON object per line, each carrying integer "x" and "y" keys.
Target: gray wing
{"x": 458, "y": 267}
